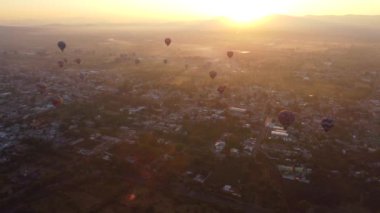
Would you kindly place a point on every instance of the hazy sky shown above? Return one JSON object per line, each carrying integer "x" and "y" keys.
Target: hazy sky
{"x": 171, "y": 10}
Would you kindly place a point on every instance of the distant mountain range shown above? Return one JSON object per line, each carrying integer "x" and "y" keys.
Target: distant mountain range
{"x": 360, "y": 26}
{"x": 355, "y": 26}
{"x": 315, "y": 23}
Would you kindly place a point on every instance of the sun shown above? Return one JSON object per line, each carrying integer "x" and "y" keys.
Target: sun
{"x": 242, "y": 18}
{"x": 238, "y": 12}
{"x": 243, "y": 11}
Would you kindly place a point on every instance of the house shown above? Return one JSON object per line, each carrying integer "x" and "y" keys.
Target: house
{"x": 230, "y": 190}
{"x": 278, "y": 132}
{"x": 295, "y": 173}
{"x": 201, "y": 178}
{"x": 238, "y": 112}
{"x": 110, "y": 139}
{"x": 249, "y": 146}
{"x": 136, "y": 110}
{"x": 234, "y": 152}
{"x": 219, "y": 146}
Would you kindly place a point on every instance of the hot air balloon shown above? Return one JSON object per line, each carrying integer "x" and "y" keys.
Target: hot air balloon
{"x": 286, "y": 118}
{"x": 221, "y": 89}
{"x": 61, "y": 45}
{"x": 230, "y": 54}
{"x": 165, "y": 61}
{"x": 327, "y": 124}
{"x": 213, "y": 74}
{"x": 60, "y": 64}
{"x": 41, "y": 87}
{"x": 78, "y": 61}
{"x": 168, "y": 41}
{"x": 131, "y": 197}
{"x": 57, "y": 101}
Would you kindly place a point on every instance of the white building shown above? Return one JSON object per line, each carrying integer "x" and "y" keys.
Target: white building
{"x": 278, "y": 132}
{"x": 238, "y": 112}
{"x": 219, "y": 146}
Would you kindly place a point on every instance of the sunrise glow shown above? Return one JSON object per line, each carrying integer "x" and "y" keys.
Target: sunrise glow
{"x": 239, "y": 11}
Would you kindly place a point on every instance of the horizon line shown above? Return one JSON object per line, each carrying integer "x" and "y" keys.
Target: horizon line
{"x": 18, "y": 23}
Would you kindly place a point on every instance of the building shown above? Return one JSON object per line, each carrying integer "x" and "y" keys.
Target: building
{"x": 219, "y": 146}
{"x": 278, "y": 132}
{"x": 238, "y": 112}
{"x": 294, "y": 173}
{"x": 249, "y": 146}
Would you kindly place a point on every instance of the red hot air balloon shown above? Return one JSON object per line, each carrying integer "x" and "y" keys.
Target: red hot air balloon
{"x": 78, "y": 61}
{"x": 61, "y": 64}
{"x": 327, "y": 124}
{"x": 168, "y": 41}
{"x": 230, "y": 54}
{"x": 61, "y": 45}
{"x": 221, "y": 89}
{"x": 57, "y": 101}
{"x": 286, "y": 118}
{"x": 131, "y": 197}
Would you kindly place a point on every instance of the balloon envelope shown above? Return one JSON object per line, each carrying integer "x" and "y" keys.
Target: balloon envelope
{"x": 213, "y": 74}
{"x": 230, "y": 54}
{"x": 327, "y": 124}
{"x": 286, "y": 118}
{"x": 131, "y": 197}
{"x": 168, "y": 41}
{"x": 221, "y": 89}
{"x": 61, "y": 45}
